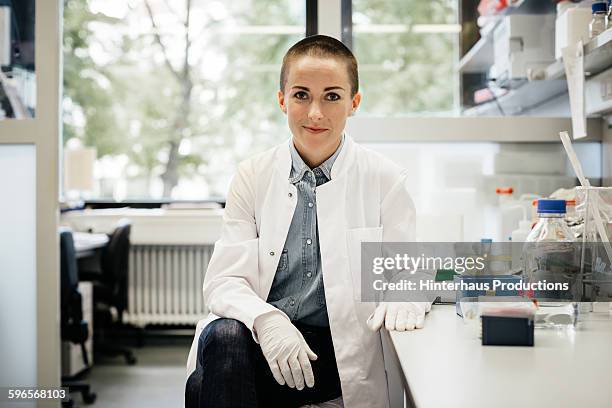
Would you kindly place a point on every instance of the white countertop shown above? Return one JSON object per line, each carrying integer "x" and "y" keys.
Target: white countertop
{"x": 445, "y": 365}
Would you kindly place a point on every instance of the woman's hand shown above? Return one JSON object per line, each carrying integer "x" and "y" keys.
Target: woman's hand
{"x": 399, "y": 316}
{"x": 285, "y": 350}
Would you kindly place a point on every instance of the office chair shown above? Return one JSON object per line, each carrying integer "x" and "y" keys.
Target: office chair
{"x": 111, "y": 290}
{"x": 73, "y": 327}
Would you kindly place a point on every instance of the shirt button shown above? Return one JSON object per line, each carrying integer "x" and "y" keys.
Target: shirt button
{"x": 292, "y": 302}
{"x": 309, "y": 241}
{"x": 309, "y": 274}
{"x": 310, "y": 205}
{"x": 271, "y": 253}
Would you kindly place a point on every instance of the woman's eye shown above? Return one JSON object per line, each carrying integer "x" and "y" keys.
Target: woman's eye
{"x": 301, "y": 95}
{"x": 332, "y": 96}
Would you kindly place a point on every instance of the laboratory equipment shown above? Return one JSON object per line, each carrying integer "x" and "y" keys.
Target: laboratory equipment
{"x": 522, "y": 43}
{"x": 512, "y": 211}
{"x": 596, "y": 264}
{"x": 571, "y": 25}
{"x": 598, "y": 21}
{"x": 507, "y": 331}
{"x": 552, "y": 257}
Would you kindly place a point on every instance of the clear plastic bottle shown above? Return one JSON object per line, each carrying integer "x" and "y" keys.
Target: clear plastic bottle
{"x": 550, "y": 255}
{"x": 598, "y": 23}
{"x": 609, "y": 14}
{"x": 551, "y": 225}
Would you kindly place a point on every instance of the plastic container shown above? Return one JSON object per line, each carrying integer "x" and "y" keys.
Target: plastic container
{"x": 512, "y": 211}
{"x": 571, "y": 25}
{"x": 598, "y": 22}
{"x": 609, "y": 25}
{"x": 596, "y": 265}
{"x": 551, "y": 255}
{"x": 551, "y": 226}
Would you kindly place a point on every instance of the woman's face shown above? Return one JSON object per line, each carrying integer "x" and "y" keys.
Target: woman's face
{"x": 317, "y": 100}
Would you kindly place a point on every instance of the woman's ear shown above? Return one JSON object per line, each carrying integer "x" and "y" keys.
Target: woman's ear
{"x": 355, "y": 103}
{"x": 281, "y": 101}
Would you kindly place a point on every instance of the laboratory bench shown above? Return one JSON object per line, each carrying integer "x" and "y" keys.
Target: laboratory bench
{"x": 445, "y": 365}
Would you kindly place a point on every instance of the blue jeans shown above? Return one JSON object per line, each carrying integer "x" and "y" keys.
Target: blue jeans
{"x": 232, "y": 372}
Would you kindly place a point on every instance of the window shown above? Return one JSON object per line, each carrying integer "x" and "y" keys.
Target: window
{"x": 408, "y": 54}
{"x": 174, "y": 94}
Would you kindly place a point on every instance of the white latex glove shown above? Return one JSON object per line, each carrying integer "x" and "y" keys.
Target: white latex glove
{"x": 285, "y": 350}
{"x": 399, "y": 316}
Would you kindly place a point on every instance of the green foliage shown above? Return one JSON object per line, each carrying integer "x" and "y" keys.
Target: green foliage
{"x": 407, "y": 72}
{"x": 84, "y": 83}
{"x": 131, "y": 101}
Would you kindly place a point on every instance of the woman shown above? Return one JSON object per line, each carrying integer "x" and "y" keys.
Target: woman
{"x": 287, "y": 327}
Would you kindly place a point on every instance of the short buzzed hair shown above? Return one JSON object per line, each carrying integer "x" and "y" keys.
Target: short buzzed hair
{"x": 321, "y": 46}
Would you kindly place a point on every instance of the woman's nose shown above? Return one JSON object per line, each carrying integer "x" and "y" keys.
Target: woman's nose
{"x": 315, "y": 112}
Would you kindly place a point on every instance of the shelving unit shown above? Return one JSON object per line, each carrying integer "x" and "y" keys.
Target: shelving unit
{"x": 480, "y": 57}
{"x": 597, "y": 58}
{"x": 530, "y": 94}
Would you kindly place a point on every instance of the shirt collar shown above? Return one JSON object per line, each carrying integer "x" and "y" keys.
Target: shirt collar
{"x": 298, "y": 167}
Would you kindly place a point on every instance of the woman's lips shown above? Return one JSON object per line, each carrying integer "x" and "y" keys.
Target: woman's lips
{"x": 314, "y": 130}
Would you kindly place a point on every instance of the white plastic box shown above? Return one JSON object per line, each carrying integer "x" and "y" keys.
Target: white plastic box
{"x": 571, "y": 26}
{"x": 522, "y": 42}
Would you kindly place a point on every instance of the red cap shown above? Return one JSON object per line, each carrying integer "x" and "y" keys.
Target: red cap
{"x": 504, "y": 190}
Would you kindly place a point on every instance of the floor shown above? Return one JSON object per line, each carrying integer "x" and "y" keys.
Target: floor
{"x": 157, "y": 380}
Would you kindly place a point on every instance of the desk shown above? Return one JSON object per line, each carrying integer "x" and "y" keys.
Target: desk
{"x": 445, "y": 365}
{"x": 85, "y": 244}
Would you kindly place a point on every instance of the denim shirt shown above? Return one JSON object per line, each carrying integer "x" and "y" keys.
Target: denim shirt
{"x": 297, "y": 288}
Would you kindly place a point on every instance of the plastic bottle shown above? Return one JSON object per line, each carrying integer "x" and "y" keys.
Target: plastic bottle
{"x": 509, "y": 213}
{"x": 598, "y": 23}
{"x": 609, "y": 14}
{"x": 551, "y": 225}
{"x": 550, "y": 255}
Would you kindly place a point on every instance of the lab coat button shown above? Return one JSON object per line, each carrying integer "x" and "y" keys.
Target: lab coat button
{"x": 290, "y": 195}
{"x": 271, "y": 253}
{"x": 309, "y": 241}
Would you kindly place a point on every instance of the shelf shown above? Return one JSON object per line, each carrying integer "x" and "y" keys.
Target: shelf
{"x": 597, "y": 57}
{"x": 479, "y": 58}
{"x": 519, "y": 100}
{"x": 508, "y": 129}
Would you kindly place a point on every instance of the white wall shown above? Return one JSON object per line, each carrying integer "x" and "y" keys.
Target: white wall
{"x": 18, "y": 352}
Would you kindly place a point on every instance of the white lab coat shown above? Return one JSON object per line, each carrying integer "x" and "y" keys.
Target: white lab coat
{"x": 365, "y": 200}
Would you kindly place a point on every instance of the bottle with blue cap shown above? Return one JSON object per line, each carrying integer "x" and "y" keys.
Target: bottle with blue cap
{"x": 551, "y": 257}
{"x": 551, "y": 226}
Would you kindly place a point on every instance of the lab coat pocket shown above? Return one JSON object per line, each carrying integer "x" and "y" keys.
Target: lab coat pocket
{"x": 362, "y": 274}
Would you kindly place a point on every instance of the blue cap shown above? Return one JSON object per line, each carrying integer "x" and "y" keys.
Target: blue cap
{"x": 599, "y": 6}
{"x": 546, "y": 206}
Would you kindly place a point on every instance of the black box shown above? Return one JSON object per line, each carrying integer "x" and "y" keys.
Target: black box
{"x": 507, "y": 331}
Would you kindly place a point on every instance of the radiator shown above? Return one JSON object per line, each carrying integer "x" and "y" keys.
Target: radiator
{"x": 165, "y": 284}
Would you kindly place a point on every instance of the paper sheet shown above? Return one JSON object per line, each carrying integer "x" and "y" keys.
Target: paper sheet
{"x": 573, "y": 60}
